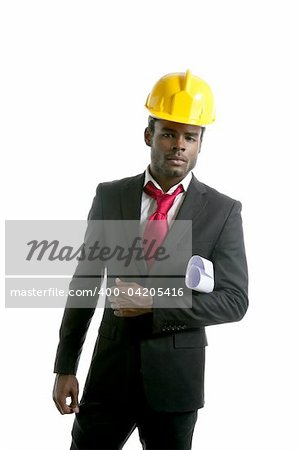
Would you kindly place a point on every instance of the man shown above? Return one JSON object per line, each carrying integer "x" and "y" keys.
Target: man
{"x": 147, "y": 369}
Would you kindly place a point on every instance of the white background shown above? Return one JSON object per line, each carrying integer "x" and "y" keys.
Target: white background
{"x": 74, "y": 79}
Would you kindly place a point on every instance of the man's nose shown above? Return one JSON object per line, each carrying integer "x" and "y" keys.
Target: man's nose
{"x": 179, "y": 143}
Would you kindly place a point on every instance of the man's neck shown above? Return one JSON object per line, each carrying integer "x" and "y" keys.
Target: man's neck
{"x": 165, "y": 183}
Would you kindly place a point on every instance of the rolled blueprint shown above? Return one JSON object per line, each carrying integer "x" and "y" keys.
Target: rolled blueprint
{"x": 200, "y": 274}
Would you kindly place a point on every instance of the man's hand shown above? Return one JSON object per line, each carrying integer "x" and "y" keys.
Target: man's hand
{"x": 66, "y": 386}
{"x": 132, "y": 300}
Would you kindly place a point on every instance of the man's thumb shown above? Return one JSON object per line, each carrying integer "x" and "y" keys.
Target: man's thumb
{"x": 75, "y": 403}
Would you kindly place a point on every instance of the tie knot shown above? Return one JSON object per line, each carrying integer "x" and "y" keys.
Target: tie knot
{"x": 164, "y": 201}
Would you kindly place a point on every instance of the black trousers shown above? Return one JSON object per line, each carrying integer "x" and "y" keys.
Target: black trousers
{"x": 103, "y": 425}
{"x": 98, "y": 428}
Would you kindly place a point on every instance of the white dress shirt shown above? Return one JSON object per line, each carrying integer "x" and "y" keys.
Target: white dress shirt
{"x": 149, "y": 204}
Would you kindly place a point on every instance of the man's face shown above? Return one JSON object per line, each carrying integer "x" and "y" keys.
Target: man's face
{"x": 174, "y": 148}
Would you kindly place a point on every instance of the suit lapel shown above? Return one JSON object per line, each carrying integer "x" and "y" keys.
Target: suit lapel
{"x": 131, "y": 196}
{"x": 194, "y": 202}
{"x": 192, "y": 207}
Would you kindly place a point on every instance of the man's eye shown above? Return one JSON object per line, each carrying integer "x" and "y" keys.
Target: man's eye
{"x": 167, "y": 135}
{"x": 191, "y": 138}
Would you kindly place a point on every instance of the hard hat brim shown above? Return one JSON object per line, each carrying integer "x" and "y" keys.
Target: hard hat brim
{"x": 178, "y": 119}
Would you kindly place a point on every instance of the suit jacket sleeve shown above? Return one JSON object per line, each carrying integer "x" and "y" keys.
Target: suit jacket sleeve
{"x": 75, "y": 321}
{"x": 229, "y": 300}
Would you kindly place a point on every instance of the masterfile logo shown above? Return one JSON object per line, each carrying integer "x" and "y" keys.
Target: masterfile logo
{"x": 50, "y": 261}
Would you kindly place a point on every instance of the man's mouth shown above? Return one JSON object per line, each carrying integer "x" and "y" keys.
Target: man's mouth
{"x": 176, "y": 160}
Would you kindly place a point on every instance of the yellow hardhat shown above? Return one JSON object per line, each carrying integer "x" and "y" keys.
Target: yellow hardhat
{"x": 183, "y": 98}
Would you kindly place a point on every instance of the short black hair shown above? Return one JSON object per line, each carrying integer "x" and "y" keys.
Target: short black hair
{"x": 151, "y": 124}
{"x": 152, "y": 121}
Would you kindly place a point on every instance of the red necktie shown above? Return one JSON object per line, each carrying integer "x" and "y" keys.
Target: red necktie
{"x": 157, "y": 227}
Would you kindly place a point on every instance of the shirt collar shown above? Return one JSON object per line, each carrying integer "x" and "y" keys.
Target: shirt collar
{"x": 185, "y": 182}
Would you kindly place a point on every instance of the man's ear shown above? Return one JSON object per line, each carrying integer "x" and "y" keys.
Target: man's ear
{"x": 148, "y": 137}
{"x": 201, "y": 136}
{"x": 199, "y": 147}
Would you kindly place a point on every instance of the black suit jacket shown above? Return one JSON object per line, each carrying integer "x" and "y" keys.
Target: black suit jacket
{"x": 170, "y": 342}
